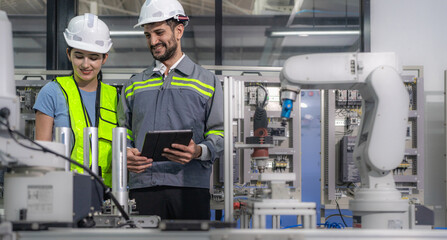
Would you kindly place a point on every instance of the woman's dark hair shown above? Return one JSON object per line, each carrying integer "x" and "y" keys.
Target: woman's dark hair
{"x": 99, "y": 76}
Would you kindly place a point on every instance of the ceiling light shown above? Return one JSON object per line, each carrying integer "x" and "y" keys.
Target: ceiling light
{"x": 126, "y": 33}
{"x": 314, "y": 33}
{"x": 304, "y": 32}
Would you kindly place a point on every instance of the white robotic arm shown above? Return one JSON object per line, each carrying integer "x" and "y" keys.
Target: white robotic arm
{"x": 380, "y": 144}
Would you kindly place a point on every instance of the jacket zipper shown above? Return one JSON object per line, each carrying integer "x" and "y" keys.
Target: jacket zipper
{"x": 156, "y": 102}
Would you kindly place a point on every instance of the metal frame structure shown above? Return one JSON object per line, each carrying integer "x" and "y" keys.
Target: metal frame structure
{"x": 294, "y": 150}
{"x": 327, "y": 146}
{"x": 417, "y": 115}
{"x": 236, "y": 112}
{"x": 258, "y": 211}
{"x": 365, "y": 25}
{"x": 228, "y": 153}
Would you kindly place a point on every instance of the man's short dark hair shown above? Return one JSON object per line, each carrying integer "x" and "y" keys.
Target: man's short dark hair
{"x": 173, "y": 23}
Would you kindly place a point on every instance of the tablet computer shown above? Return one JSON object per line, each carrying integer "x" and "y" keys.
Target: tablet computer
{"x": 156, "y": 141}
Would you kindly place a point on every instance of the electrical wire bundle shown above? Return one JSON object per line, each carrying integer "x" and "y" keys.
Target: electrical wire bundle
{"x": 264, "y": 102}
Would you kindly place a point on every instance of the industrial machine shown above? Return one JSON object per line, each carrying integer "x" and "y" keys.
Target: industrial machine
{"x": 380, "y": 144}
{"x": 39, "y": 189}
{"x": 23, "y": 159}
{"x": 340, "y": 123}
{"x": 274, "y": 197}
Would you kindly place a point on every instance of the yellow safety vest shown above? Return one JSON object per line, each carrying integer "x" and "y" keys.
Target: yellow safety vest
{"x": 106, "y": 120}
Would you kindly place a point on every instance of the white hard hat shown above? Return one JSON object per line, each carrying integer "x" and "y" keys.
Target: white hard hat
{"x": 88, "y": 33}
{"x": 161, "y": 10}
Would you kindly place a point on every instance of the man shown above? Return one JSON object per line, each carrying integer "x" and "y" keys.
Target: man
{"x": 173, "y": 94}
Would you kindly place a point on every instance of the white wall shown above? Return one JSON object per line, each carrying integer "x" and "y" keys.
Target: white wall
{"x": 416, "y": 30}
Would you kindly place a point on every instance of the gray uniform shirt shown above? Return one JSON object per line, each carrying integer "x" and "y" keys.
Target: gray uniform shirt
{"x": 189, "y": 97}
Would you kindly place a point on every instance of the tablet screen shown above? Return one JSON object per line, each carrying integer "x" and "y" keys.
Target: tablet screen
{"x": 156, "y": 141}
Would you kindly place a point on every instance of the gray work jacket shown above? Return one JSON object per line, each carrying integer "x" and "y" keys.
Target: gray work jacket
{"x": 190, "y": 97}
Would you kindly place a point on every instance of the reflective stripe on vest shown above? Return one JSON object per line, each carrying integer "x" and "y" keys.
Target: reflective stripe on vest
{"x": 79, "y": 119}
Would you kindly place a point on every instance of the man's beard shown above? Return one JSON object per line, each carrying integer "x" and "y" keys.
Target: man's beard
{"x": 168, "y": 53}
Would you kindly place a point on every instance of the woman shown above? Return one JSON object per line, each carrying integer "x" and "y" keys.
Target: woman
{"x": 81, "y": 99}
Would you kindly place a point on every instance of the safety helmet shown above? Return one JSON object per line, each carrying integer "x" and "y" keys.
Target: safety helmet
{"x": 160, "y": 10}
{"x": 88, "y": 33}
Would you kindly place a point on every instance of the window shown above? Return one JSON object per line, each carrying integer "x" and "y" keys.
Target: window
{"x": 130, "y": 49}
{"x": 254, "y": 33}
{"x": 266, "y": 33}
{"x": 28, "y": 19}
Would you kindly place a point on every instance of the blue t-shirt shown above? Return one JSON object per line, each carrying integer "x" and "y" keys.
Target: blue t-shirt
{"x": 51, "y": 101}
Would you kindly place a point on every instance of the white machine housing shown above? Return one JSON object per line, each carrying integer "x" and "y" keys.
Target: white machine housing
{"x": 36, "y": 180}
{"x": 380, "y": 143}
{"x": 39, "y": 197}
{"x": 12, "y": 153}
{"x": 8, "y": 96}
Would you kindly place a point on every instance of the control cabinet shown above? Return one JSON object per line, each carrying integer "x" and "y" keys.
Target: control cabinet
{"x": 250, "y": 92}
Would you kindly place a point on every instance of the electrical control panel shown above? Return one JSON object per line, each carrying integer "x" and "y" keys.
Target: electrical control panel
{"x": 282, "y": 158}
{"x": 348, "y": 170}
{"x": 27, "y": 91}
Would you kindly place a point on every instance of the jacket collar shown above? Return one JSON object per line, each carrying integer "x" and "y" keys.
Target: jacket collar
{"x": 185, "y": 67}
